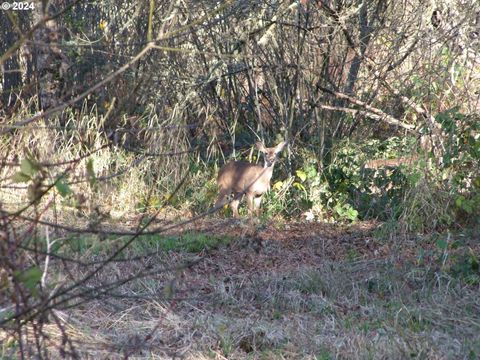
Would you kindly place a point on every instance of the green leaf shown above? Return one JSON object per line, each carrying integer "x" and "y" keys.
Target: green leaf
{"x": 299, "y": 186}
{"x": 28, "y": 167}
{"x": 474, "y": 261}
{"x": 311, "y": 171}
{"x": 351, "y": 214}
{"x": 92, "y": 179}
{"x": 442, "y": 244}
{"x": 468, "y": 207}
{"x": 459, "y": 201}
{"x": 301, "y": 174}
{"x": 20, "y": 177}
{"x": 30, "y": 277}
{"x": 62, "y": 187}
{"x": 476, "y": 182}
{"x": 278, "y": 185}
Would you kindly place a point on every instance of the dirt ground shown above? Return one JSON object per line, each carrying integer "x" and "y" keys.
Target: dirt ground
{"x": 283, "y": 291}
{"x": 271, "y": 290}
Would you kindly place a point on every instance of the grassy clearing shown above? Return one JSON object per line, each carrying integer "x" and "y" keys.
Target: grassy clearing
{"x": 309, "y": 291}
{"x": 341, "y": 315}
{"x": 85, "y": 246}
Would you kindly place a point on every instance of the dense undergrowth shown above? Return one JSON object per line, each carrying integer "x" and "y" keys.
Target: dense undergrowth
{"x": 407, "y": 275}
{"x": 392, "y": 180}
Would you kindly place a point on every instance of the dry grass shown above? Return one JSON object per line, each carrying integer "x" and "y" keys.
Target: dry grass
{"x": 284, "y": 291}
{"x": 270, "y": 291}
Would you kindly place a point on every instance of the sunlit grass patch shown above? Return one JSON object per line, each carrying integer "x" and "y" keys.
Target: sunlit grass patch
{"x": 95, "y": 245}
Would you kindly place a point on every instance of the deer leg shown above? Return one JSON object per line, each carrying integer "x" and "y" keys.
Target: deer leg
{"x": 234, "y": 205}
{"x": 222, "y": 198}
{"x": 256, "y": 202}
{"x": 250, "y": 204}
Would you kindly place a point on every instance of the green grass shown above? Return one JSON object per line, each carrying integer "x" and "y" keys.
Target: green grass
{"x": 94, "y": 245}
{"x": 188, "y": 242}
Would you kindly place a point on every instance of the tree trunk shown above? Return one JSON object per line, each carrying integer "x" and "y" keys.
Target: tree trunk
{"x": 11, "y": 75}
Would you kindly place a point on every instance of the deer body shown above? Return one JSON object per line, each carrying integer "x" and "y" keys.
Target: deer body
{"x": 241, "y": 177}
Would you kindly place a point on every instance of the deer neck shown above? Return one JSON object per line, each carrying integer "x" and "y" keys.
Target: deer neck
{"x": 268, "y": 170}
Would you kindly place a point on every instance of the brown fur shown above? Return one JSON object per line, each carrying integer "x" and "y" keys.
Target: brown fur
{"x": 241, "y": 177}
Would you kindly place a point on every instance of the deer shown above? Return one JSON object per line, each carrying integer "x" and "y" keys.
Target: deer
{"x": 244, "y": 178}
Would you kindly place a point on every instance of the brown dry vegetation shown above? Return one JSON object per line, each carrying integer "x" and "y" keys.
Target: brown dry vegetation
{"x": 273, "y": 290}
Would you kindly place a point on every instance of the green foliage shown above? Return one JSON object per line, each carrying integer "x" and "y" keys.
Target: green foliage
{"x": 30, "y": 278}
{"x": 190, "y": 242}
{"x": 324, "y": 354}
{"x": 345, "y": 192}
{"x": 280, "y": 199}
{"x": 20, "y": 177}
{"x": 62, "y": 187}
{"x": 462, "y": 142}
{"x": 453, "y": 256}
{"x": 458, "y": 259}
{"x": 227, "y": 344}
{"x": 100, "y": 246}
{"x": 346, "y": 211}
{"x": 28, "y": 169}
{"x": 465, "y": 265}
{"x": 201, "y": 199}
{"x": 444, "y": 193}
{"x": 460, "y": 168}
{"x": 150, "y": 203}
{"x": 92, "y": 179}
{"x": 471, "y": 206}
{"x": 438, "y": 90}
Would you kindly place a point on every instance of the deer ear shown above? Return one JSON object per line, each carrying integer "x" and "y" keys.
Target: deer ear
{"x": 280, "y": 146}
{"x": 260, "y": 146}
